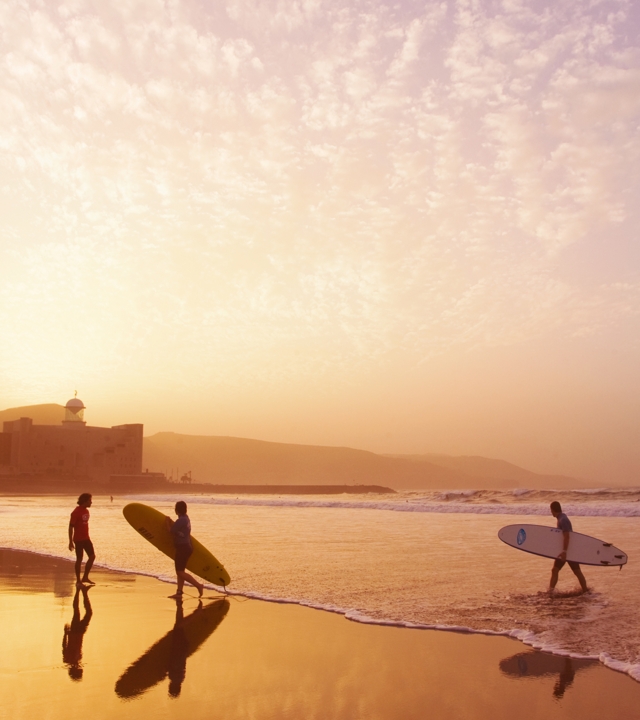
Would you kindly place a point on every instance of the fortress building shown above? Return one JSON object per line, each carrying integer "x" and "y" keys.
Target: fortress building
{"x": 71, "y": 450}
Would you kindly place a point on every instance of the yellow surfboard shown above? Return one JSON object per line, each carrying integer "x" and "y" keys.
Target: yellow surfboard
{"x": 151, "y": 524}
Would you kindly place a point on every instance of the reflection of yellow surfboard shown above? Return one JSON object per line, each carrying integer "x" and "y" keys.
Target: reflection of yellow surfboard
{"x": 168, "y": 656}
{"x": 151, "y": 524}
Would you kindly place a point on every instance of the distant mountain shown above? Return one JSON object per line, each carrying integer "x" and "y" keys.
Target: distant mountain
{"x": 489, "y": 472}
{"x": 49, "y": 414}
{"x": 229, "y": 460}
{"x": 237, "y": 461}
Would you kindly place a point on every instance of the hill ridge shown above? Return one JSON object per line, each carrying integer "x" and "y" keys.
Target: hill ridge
{"x": 227, "y": 459}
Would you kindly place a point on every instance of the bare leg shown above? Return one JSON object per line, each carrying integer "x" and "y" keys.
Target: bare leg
{"x": 184, "y": 576}
{"x": 554, "y": 578}
{"x": 78, "y": 568}
{"x": 581, "y": 578}
{"x": 87, "y": 568}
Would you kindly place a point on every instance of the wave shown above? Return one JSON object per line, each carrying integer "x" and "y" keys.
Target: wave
{"x": 520, "y": 501}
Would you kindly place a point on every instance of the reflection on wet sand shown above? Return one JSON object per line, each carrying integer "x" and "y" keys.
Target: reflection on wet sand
{"x": 168, "y": 657}
{"x": 24, "y": 571}
{"x": 535, "y": 664}
{"x": 20, "y": 571}
{"x": 74, "y": 634}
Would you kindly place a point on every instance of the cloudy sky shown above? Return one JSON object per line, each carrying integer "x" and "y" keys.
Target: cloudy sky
{"x": 401, "y": 226}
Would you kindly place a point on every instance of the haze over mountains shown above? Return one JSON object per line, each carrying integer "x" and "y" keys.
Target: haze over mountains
{"x": 231, "y": 460}
{"x": 46, "y": 414}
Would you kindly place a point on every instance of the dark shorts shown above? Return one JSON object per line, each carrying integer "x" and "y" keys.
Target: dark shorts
{"x": 84, "y": 546}
{"x": 183, "y": 553}
{"x": 559, "y": 564}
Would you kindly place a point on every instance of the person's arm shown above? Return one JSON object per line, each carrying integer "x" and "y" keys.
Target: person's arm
{"x": 71, "y": 545}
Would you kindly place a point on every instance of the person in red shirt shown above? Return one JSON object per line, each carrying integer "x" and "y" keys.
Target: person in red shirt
{"x": 79, "y": 538}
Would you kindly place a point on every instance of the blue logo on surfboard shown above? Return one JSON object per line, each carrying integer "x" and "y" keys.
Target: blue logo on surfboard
{"x": 522, "y": 536}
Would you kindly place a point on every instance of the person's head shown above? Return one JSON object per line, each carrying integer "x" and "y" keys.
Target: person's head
{"x": 75, "y": 672}
{"x": 556, "y": 508}
{"x": 181, "y": 507}
{"x": 85, "y": 500}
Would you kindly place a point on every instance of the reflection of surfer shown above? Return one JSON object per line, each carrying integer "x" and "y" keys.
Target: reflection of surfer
{"x": 181, "y": 533}
{"x": 74, "y": 634}
{"x": 179, "y": 652}
{"x": 564, "y": 524}
{"x": 567, "y": 674}
{"x": 168, "y": 657}
{"x": 534, "y": 664}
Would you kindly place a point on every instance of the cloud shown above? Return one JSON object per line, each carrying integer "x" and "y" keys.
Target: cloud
{"x": 340, "y": 180}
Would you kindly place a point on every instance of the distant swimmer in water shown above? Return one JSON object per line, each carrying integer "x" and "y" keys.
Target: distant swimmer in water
{"x": 79, "y": 538}
{"x": 564, "y": 524}
{"x": 181, "y": 533}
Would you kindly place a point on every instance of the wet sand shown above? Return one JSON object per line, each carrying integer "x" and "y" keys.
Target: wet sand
{"x": 125, "y": 650}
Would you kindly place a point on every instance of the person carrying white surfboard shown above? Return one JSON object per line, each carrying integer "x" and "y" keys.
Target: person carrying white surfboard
{"x": 564, "y": 524}
{"x": 180, "y": 530}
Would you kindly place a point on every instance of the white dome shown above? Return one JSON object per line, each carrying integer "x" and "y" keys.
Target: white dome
{"x": 75, "y": 404}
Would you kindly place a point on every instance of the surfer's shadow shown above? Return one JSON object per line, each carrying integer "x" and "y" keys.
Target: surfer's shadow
{"x": 534, "y": 664}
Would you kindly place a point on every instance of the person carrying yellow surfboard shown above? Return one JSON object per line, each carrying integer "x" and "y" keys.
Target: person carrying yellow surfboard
{"x": 180, "y": 530}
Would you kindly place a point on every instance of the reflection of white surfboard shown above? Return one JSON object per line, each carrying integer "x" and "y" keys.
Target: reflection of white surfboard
{"x": 547, "y": 541}
{"x": 534, "y": 663}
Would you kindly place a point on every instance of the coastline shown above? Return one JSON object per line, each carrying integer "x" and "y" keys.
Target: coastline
{"x": 510, "y": 602}
{"x": 267, "y": 659}
{"x": 192, "y": 488}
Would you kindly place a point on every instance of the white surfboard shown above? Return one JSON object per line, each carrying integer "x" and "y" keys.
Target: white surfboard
{"x": 547, "y": 542}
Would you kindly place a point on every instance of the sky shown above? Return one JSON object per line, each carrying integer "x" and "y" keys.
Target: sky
{"x": 406, "y": 227}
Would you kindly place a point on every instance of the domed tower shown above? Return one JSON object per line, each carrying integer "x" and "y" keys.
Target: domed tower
{"x": 74, "y": 413}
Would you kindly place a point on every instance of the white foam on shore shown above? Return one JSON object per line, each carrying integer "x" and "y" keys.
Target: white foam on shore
{"x": 526, "y": 637}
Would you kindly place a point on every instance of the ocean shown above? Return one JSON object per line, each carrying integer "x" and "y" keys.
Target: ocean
{"x": 415, "y": 559}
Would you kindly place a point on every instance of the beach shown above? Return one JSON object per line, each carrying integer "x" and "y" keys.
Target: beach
{"x": 355, "y": 286}
{"x": 429, "y": 561}
{"x": 350, "y": 607}
{"x": 233, "y": 657}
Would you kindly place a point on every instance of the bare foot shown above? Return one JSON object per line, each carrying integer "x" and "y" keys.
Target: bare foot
{"x": 200, "y": 590}
{"x": 86, "y": 581}
{"x": 176, "y": 596}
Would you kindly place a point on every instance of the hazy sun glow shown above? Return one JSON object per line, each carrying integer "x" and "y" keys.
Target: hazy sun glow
{"x": 403, "y": 226}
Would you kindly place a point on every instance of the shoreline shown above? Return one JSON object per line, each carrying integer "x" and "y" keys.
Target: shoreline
{"x": 525, "y": 637}
{"x": 139, "y": 652}
{"x": 9, "y": 488}
{"x": 205, "y": 488}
